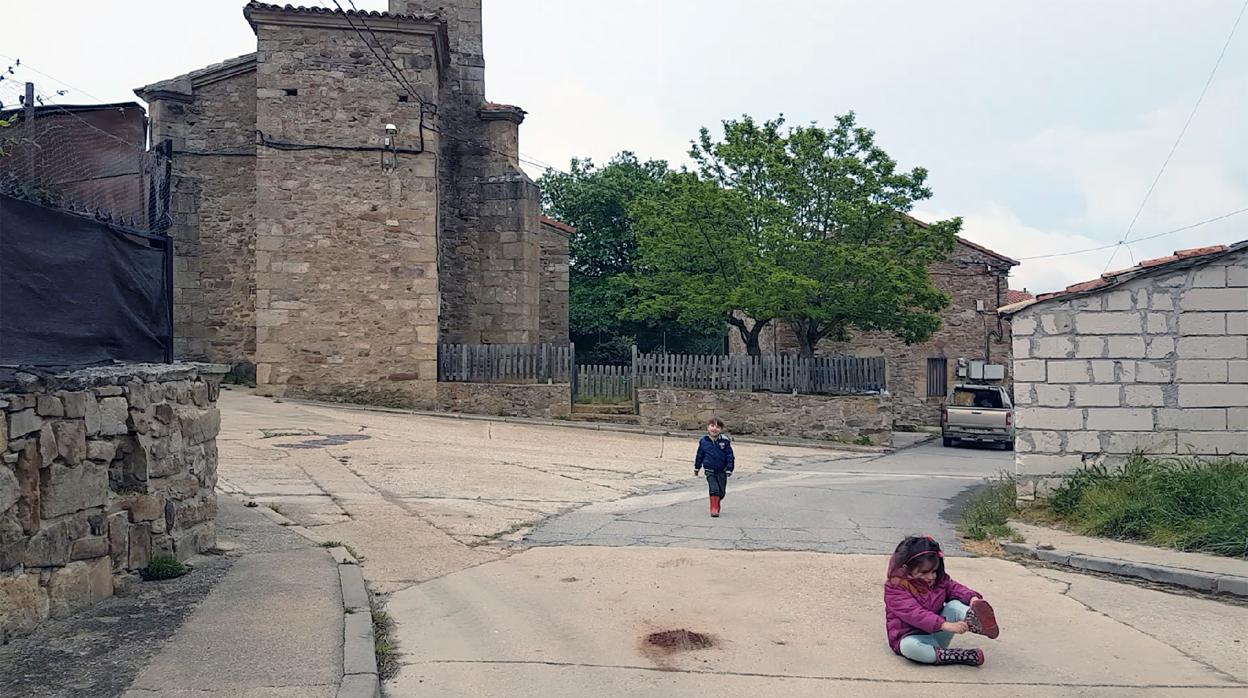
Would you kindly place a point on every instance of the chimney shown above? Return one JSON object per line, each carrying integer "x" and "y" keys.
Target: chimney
{"x": 463, "y": 25}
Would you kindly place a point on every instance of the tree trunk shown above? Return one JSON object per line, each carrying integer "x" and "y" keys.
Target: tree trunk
{"x": 808, "y": 336}
{"x": 749, "y": 335}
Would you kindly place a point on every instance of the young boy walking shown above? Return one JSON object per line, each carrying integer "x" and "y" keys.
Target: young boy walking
{"x": 715, "y": 454}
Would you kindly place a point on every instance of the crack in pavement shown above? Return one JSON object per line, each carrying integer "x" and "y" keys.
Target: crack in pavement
{"x": 1066, "y": 592}
{"x": 808, "y": 677}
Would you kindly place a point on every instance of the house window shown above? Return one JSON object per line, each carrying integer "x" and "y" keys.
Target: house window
{"x": 937, "y": 377}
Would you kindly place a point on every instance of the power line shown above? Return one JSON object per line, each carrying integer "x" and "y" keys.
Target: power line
{"x": 53, "y": 78}
{"x": 1182, "y": 132}
{"x": 1135, "y": 240}
{"x": 398, "y": 74}
{"x": 369, "y": 46}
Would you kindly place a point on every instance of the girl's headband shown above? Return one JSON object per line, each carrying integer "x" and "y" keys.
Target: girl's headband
{"x": 937, "y": 552}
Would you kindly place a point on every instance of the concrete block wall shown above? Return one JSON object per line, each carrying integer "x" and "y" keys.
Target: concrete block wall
{"x": 1158, "y": 366}
{"x": 101, "y": 469}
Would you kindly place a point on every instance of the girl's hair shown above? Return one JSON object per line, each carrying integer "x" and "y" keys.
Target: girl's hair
{"x": 716, "y": 421}
{"x": 912, "y": 553}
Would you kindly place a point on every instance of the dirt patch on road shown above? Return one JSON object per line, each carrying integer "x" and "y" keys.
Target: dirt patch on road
{"x": 673, "y": 641}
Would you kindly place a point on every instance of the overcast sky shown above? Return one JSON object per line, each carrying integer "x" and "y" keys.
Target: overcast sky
{"x": 1042, "y": 122}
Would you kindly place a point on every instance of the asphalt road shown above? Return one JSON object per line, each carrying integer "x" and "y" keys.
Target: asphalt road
{"x": 837, "y": 503}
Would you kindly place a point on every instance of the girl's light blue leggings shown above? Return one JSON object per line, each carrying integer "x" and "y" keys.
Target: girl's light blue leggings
{"x": 922, "y": 648}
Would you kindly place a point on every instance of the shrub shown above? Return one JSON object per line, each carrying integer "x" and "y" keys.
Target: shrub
{"x": 163, "y": 567}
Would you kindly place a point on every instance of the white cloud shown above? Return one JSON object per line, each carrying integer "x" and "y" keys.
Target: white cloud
{"x": 1113, "y": 167}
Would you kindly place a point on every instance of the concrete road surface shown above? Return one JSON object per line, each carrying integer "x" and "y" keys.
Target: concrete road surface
{"x": 534, "y": 561}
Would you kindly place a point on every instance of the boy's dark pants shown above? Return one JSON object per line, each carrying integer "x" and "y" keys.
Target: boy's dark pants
{"x": 717, "y": 482}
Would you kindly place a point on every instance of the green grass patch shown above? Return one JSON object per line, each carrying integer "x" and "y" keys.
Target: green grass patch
{"x": 163, "y": 567}
{"x": 384, "y": 646}
{"x": 988, "y": 510}
{"x": 1186, "y": 504}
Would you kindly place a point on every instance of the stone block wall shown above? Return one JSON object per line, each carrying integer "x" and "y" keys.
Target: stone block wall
{"x": 347, "y": 298}
{"x": 833, "y": 418}
{"x": 102, "y": 469}
{"x": 212, "y": 126}
{"x": 554, "y": 286}
{"x": 969, "y": 275}
{"x": 1158, "y": 365}
{"x": 539, "y": 400}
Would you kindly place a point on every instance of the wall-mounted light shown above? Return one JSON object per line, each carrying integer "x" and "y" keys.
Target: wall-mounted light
{"x": 390, "y": 156}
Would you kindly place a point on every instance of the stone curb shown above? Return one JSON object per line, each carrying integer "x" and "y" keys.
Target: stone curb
{"x": 1208, "y": 582}
{"x": 359, "y": 658}
{"x": 596, "y": 426}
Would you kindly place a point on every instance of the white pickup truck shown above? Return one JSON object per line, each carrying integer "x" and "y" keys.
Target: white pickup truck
{"x": 979, "y": 413}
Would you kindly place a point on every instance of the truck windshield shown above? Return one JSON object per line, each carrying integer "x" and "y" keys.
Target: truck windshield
{"x": 970, "y": 397}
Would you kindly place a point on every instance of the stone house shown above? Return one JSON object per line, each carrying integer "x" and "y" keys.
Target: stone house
{"x": 1151, "y": 359}
{"x": 919, "y": 375}
{"x": 345, "y": 199}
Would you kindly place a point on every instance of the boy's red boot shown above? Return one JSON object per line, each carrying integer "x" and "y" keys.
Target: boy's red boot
{"x": 714, "y": 506}
{"x": 982, "y": 620}
{"x": 971, "y": 657}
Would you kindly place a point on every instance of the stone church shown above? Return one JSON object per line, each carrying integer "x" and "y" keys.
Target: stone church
{"x": 345, "y": 199}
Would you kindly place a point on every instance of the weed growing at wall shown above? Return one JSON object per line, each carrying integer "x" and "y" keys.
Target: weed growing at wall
{"x": 163, "y": 567}
{"x": 987, "y": 512}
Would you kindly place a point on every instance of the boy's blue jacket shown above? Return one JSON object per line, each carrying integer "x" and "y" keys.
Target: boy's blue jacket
{"x": 716, "y": 456}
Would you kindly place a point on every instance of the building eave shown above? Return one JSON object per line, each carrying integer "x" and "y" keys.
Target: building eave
{"x": 1179, "y": 261}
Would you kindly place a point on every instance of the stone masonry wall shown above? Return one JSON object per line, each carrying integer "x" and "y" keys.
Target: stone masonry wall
{"x": 965, "y": 276}
{"x": 554, "y": 286}
{"x": 347, "y": 247}
{"x": 102, "y": 468}
{"x": 845, "y": 419}
{"x": 491, "y": 266}
{"x": 214, "y": 182}
{"x": 550, "y": 401}
{"x": 1158, "y": 365}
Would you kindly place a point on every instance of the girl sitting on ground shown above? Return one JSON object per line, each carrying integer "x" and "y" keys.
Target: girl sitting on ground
{"x": 924, "y": 607}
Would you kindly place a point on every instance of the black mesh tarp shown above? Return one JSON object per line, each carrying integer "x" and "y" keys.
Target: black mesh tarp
{"x": 75, "y": 291}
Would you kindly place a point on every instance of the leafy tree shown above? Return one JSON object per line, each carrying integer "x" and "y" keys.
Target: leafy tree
{"x": 804, "y": 225}
{"x": 597, "y": 201}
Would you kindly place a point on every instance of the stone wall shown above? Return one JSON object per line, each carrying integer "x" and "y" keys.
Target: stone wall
{"x": 212, "y": 126}
{"x": 102, "y": 469}
{"x": 347, "y": 240}
{"x": 554, "y": 287}
{"x": 1158, "y": 365}
{"x": 550, "y": 401}
{"x": 969, "y": 275}
{"x": 867, "y": 418}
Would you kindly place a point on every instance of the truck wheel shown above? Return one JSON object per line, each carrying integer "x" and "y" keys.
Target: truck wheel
{"x": 948, "y": 442}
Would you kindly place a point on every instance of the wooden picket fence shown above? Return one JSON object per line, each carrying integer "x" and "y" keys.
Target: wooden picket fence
{"x": 820, "y": 375}
{"x": 604, "y": 384}
{"x": 550, "y": 363}
{"x": 505, "y": 363}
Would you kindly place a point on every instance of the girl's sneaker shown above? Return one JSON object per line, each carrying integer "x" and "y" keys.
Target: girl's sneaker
{"x": 982, "y": 620}
{"x": 971, "y": 657}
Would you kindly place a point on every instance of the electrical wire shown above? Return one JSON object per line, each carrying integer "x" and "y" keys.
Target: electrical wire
{"x": 1178, "y": 140}
{"x": 1135, "y": 240}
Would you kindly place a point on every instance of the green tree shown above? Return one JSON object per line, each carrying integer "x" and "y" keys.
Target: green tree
{"x": 597, "y": 200}
{"x": 805, "y": 225}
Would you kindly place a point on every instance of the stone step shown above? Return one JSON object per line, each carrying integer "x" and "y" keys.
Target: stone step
{"x": 602, "y": 409}
{"x": 606, "y": 418}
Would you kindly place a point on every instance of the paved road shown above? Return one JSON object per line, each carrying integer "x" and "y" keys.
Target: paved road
{"x": 521, "y": 560}
{"x": 836, "y": 503}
